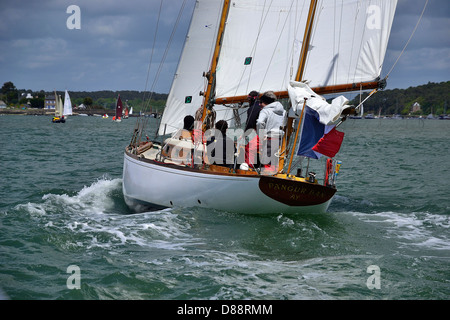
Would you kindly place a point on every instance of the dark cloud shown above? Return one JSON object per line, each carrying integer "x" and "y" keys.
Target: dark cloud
{"x": 427, "y": 56}
{"x": 112, "y": 49}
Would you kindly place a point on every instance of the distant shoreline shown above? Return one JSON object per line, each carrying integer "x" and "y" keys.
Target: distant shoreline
{"x": 49, "y": 112}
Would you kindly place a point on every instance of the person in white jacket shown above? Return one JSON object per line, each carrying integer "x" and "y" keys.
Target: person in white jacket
{"x": 270, "y": 124}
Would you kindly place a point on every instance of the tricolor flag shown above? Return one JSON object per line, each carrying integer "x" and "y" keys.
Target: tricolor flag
{"x": 318, "y": 139}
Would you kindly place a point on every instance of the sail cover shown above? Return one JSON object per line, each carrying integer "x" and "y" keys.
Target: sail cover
{"x": 263, "y": 39}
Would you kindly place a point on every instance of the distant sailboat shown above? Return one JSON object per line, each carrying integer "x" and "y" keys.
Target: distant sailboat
{"x": 119, "y": 108}
{"x": 59, "y": 116}
{"x": 126, "y": 112}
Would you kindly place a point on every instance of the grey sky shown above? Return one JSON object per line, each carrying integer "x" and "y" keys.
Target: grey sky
{"x": 112, "y": 49}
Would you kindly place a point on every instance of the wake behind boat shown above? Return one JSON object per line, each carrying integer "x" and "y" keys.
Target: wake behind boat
{"x": 291, "y": 54}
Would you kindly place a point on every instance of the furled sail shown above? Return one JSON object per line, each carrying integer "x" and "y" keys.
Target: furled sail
{"x": 318, "y": 134}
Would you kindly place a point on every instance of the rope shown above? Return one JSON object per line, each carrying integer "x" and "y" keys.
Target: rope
{"x": 409, "y": 40}
{"x": 158, "y": 72}
{"x": 144, "y": 97}
{"x": 401, "y": 53}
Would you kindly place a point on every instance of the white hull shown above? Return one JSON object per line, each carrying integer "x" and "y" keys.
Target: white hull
{"x": 150, "y": 183}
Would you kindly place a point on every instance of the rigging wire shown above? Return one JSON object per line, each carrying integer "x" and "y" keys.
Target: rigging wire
{"x": 153, "y": 50}
{"x": 139, "y": 120}
{"x": 255, "y": 44}
{"x": 409, "y": 40}
{"x": 275, "y": 47}
{"x": 398, "y": 58}
{"x": 158, "y": 72}
{"x": 252, "y": 54}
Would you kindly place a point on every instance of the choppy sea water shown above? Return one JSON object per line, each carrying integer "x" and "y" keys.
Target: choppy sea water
{"x": 385, "y": 235}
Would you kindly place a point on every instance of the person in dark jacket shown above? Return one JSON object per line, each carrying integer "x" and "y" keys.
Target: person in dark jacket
{"x": 252, "y": 146}
{"x": 253, "y": 110}
{"x": 221, "y": 148}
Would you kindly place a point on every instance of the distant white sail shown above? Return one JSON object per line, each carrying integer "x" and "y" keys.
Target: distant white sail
{"x": 67, "y": 105}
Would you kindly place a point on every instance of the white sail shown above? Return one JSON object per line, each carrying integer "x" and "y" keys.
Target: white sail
{"x": 348, "y": 44}
{"x": 58, "y": 105}
{"x": 184, "y": 98}
{"x": 261, "y": 46}
{"x": 67, "y": 105}
{"x": 261, "y": 49}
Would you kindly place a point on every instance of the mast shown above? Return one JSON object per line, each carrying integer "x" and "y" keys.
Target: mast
{"x": 306, "y": 40}
{"x": 298, "y": 77}
{"x": 211, "y": 75}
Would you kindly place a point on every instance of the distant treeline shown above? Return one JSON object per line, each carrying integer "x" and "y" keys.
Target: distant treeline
{"x": 432, "y": 97}
{"x": 124, "y": 95}
{"x": 106, "y": 99}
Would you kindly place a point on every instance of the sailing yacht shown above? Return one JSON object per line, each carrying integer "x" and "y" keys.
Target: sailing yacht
{"x": 62, "y": 110}
{"x": 119, "y": 107}
{"x": 126, "y": 112}
{"x": 59, "y": 110}
{"x": 299, "y": 51}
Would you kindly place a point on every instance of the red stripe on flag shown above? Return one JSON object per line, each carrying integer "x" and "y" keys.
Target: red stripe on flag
{"x": 330, "y": 143}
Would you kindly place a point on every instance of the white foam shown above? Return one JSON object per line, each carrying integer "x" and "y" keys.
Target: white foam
{"x": 412, "y": 229}
{"x": 90, "y": 216}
